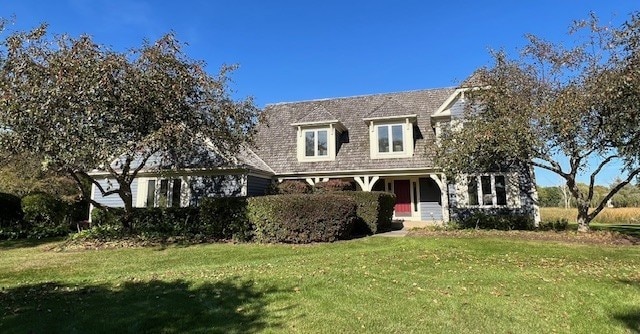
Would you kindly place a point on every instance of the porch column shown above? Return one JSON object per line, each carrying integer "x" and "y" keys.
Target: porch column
{"x": 366, "y": 182}
{"x": 441, "y": 181}
{"x": 314, "y": 180}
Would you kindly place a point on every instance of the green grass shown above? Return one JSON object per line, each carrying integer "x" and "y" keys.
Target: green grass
{"x": 376, "y": 285}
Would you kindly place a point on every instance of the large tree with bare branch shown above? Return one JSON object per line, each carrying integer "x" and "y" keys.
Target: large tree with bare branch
{"x": 83, "y": 106}
{"x": 572, "y": 109}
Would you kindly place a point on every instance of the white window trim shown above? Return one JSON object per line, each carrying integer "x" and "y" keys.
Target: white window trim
{"x": 143, "y": 190}
{"x": 512, "y": 194}
{"x": 407, "y": 139}
{"x": 331, "y": 143}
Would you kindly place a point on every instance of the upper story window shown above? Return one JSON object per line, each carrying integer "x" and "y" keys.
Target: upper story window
{"x": 318, "y": 141}
{"x": 487, "y": 190}
{"x": 391, "y": 137}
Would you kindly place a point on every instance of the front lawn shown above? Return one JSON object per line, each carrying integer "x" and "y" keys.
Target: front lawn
{"x": 379, "y": 285}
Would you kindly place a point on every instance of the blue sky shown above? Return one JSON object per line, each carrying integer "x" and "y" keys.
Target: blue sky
{"x": 300, "y": 50}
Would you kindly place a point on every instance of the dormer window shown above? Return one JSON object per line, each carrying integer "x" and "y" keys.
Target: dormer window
{"x": 317, "y": 141}
{"x": 391, "y": 137}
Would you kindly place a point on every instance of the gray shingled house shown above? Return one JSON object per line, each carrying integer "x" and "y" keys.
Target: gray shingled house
{"x": 382, "y": 142}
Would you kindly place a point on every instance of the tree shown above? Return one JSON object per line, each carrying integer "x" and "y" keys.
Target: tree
{"x": 555, "y": 103}
{"x": 83, "y": 106}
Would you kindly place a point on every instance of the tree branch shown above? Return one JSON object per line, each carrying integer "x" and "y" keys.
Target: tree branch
{"x": 613, "y": 191}
{"x": 592, "y": 179}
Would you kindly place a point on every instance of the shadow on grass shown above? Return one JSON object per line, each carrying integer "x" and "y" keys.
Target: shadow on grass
{"x": 26, "y": 243}
{"x": 630, "y": 317}
{"x": 230, "y": 306}
{"x": 628, "y": 229}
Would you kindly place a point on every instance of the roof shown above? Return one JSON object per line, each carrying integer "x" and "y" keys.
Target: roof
{"x": 276, "y": 138}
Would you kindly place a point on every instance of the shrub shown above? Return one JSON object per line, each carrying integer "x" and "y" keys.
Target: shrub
{"x": 374, "y": 210}
{"x": 333, "y": 185}
{"x": 225, "y": 218}
{"x": 10, "y": 211}
{"x": 106, "y": 217}
{"x": 44, "y": 216}
{"x": 294, "y": 187}
{"x": 302, "y": 218}
{"x": 554, "y": 225}
{"x": 503, "y": 222}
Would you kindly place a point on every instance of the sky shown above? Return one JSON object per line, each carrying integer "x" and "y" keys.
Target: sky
{"x": 302, "y": 50}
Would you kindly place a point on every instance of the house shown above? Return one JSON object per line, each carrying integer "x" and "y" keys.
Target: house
{"x": 381, "y": 142}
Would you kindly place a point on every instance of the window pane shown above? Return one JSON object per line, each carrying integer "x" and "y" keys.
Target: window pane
{"x": 383, "y": 139}
{"x": 162, "y": 195}
{"x": 151, "y": 193}
{"x": 175, "y": 194}
{"x": 501, "y": 190}
{"x": 309, "y": 143}
{"x": 396, "y": 133}
{"x": 487, "y": 198}
{"x": 322, "y": 143}
{"x": 472, "y": 189}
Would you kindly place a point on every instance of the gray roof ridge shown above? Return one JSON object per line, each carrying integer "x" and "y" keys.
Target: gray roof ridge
{"x": 391, "y": 99}
{"x": 360, "y": 96}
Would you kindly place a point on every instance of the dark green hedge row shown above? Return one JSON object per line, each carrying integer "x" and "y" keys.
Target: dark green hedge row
{"x": 492, "y": 221}
{"x": 374, "y": 210}
{"x": 289, "y": 218}
{"x": 302, "y": 218}
{"x": 37, "y": 216}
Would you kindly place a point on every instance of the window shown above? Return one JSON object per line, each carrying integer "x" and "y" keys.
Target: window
{"x": 164, "y": 193}
{"x": 487, "y": 190}
{"x": 316, "y": 143}
{"x": 390, "y": 138}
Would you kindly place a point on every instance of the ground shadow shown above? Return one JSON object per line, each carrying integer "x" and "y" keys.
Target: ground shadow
{"x": 26, "y": 243}
{"x": 230, "y": 306}
{"x": 630, "y": 317}
{"x": 628, "y": 229}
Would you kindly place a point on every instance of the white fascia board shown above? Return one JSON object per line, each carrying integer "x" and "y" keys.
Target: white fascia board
{"x": 411, "y": 117}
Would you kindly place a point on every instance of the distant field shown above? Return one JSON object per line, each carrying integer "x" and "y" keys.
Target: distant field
{"x": 607, "y": 216}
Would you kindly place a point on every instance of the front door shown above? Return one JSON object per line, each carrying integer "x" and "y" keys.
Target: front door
{"x": 403, "y": 198}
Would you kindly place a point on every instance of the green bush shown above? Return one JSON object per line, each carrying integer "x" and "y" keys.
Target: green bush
{"x": 106, "y": 217}
{"x": 374, "y": 210}
{"x": 294, "y": 187}
{"x": 554, "y": 225}
{"x": 44, "y": 216}
{"x": 225, "y": 218}
{"x": 333, "y": 185}
{"x": 490, "y": 221}
{"x": 302, "y": 218}
{"x": 10, "y": 211}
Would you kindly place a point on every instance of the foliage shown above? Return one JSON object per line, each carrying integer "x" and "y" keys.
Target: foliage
{"x": 576, "y": 102}
{"x": 302, "y": 218}
{"x": 251, "y": 288}
{"x": 374, "y": 210}
{"x": 553, "y": 225}
{"x": 226, "y": 218}
{"x": 10, "y": 210}
{"x": 44, "y": 216}
{"x": 495, "y": 221}
{"x": 82, "y": 106}
{"x": 293, "y": 187}
{"x": 333, "y": 185}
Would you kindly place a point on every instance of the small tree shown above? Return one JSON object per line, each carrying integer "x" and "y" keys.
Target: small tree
{"x": 82, "y": 107}
{"x": 579, "y": 104}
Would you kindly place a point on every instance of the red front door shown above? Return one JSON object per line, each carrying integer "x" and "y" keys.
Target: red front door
{"x": 403, "y": 197}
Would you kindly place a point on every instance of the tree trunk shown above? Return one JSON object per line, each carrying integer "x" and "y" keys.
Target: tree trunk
{"x": 583, "y": 218}
{"x": 127, "y": 199}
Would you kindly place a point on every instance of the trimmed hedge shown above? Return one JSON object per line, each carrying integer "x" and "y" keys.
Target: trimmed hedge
{"x": 226, "y": 218}
{"x": 488, "y": 221}
{"x": 333, "y": 185}
{"x": 302, "y": 218}
{"x": 374, "y": 211}
{"x": 554, "y": 225}
{"x": 294, "y": 187}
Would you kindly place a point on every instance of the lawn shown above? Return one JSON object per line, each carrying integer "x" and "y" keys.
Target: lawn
{"x": 378, "y": 285}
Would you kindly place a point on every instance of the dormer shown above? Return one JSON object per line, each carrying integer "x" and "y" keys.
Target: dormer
{"x": 318, "y": 141}
{"x": 391, "y": 136}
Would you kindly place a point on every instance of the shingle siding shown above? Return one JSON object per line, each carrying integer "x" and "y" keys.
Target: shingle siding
{"x": 276, "y": 139}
